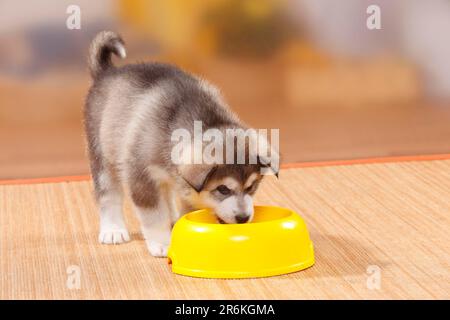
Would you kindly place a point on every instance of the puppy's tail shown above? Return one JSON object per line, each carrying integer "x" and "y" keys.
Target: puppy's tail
{"x": 104, "y": 43}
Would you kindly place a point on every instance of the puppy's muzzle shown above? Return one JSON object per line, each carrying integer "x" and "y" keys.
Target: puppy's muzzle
{"x": 240, "y": 218}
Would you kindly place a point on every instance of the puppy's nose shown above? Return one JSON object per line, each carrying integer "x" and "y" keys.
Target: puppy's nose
{"x": 242, "y": 218}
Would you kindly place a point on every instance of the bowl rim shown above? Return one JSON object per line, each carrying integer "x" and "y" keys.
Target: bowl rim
{"x": 289, "y": 212}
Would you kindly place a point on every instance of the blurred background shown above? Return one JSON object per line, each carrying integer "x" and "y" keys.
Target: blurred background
{"x": 312, "y": 68}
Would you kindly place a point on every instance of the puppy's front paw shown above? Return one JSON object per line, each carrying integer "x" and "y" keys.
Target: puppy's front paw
{"x": 157, "y": 249}
{"x": 113, "y": 236}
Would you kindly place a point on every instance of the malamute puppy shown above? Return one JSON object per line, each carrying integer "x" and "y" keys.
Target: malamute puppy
{"x": 130, "y": 115}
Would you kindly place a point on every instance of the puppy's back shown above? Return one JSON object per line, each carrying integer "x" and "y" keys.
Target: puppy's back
{"x": 131, "y": 111}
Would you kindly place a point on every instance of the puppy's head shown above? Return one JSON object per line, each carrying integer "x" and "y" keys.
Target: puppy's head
{"x": 228, "y": 190}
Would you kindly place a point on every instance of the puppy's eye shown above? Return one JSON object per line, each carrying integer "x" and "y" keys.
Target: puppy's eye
{"x": 223, "y": 189}
{"x": 252, "y": 188}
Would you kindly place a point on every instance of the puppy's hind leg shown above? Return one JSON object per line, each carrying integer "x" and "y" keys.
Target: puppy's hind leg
{"x": 110, "y": 199}
{"x": 153, "y": 211}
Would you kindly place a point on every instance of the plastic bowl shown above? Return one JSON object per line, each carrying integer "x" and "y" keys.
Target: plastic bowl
{"x": 274, "y": 243}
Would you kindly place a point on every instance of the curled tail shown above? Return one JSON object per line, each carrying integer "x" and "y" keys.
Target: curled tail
{"x": 104, "y": 43}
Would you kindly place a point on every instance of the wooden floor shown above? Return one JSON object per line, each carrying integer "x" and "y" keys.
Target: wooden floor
{"x": 388, "y": 217}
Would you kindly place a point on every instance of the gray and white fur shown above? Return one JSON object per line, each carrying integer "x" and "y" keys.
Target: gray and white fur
{"x": 130, "y": 114}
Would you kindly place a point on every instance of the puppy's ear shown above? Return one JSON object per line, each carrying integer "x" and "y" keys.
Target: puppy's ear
{"x": 197, "y": 175}
{"x": 268, "y": 165}
{"x": 267, "y": 156}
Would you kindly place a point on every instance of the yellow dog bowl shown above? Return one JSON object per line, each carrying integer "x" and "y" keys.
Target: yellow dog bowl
{"x": 275, "y": 242}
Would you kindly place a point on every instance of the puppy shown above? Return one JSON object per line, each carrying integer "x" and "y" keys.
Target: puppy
{"x": 130, "y": 115}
